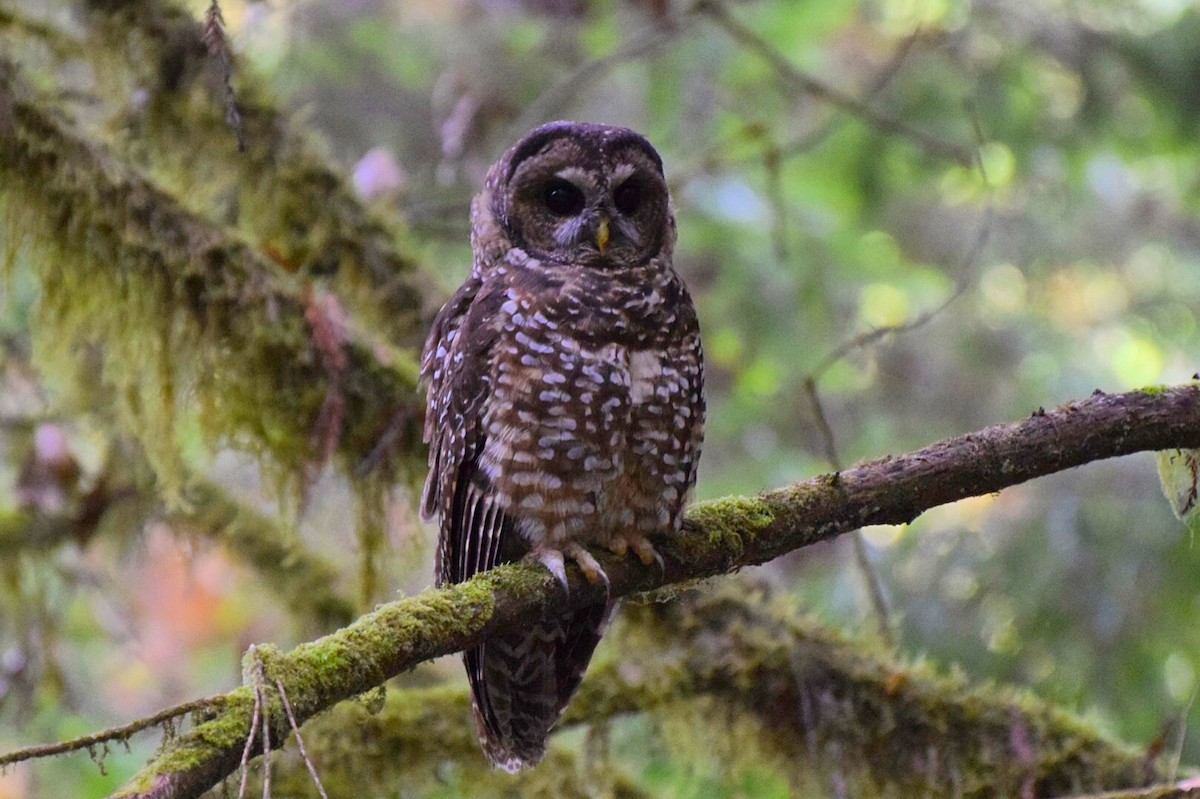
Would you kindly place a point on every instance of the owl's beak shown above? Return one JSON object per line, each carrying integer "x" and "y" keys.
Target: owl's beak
{"x": 602, "y": 235}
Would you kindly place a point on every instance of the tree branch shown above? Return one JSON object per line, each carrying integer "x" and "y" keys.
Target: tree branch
{"x": 804, "y": 83}
{"x": 828, "y": 703}
{"x": 121, "y": 498}
{"x": 122, "y": 733}
{"x": 720, "y": 536}
{"x": 286, "y": 196}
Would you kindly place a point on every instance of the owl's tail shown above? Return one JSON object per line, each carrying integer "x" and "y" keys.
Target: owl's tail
{"x": 522, "y": 681}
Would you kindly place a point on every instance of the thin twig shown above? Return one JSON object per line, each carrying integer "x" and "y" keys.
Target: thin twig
{"x": 817, "y": 133}
{"x": 966, "y": 269}
{"x": 112, "y": 734}
{"x": 217, "y": 42}
{"x": 254, "y": 718}
{"x": 862, "y": 559}
{"x": 260, "y": 680}
{"x": 778, "y": 202}
{"x": 550, "y": 101}
{"x": 806, "y": 139}
{"x": 1177, "y": 755}
{"x": 287, "y": 707}
{"x": 807, "y": 84}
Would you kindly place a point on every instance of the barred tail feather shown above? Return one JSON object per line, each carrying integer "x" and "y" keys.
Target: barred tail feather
{"x": 522, "y": 681}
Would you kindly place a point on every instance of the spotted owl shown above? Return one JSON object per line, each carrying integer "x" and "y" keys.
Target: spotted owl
{"x": 565, "y": 401}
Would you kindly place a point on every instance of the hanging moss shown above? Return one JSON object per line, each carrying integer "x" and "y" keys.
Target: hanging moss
{"x": 292, "y": 220}
{"x": 189, "y": 319}
{"x": 280, "y": 193}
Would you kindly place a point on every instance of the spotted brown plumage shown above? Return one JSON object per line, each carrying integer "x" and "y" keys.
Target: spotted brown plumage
{"x": 565, "y": 401}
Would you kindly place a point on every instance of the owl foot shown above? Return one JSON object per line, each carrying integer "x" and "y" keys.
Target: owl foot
{"x": 590, "y": 567}
{"x": 641, "y": 546}
{"x": 554, "y": 561}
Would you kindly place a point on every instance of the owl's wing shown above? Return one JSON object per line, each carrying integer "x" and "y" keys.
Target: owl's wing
{"x": 456, "y": 364}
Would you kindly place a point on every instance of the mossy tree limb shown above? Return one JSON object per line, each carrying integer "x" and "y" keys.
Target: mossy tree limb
{"x": 186, "y": 311}
{"x": 281, "y": 193}
{"x": 720, "y": 537}
{"x": 120, "y": 500}
{"x": 829, "y": 704}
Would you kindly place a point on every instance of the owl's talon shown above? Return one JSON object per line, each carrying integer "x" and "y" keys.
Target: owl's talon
{"x": 590, "y": 567}
{"x": 647, "y": 554}
{"x": 641, "y": 547}
{"x": 552, "y": 559}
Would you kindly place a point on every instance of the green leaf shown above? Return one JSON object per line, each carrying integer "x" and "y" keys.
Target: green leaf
{"x": 1179, "y": 473}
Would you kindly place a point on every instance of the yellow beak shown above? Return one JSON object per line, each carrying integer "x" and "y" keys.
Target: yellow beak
{"x": 602, "y": 236}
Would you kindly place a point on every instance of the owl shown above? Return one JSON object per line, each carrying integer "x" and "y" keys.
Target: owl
{"x": 565, "y": 402}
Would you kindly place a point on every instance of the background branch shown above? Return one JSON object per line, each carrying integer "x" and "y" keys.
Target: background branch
{"x": 807, "y": 84}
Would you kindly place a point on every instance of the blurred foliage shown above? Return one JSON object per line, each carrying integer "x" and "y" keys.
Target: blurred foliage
{"x": 802, "y": 224}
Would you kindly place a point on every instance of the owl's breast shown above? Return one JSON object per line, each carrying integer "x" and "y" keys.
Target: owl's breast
{"x": 586, "y": 438}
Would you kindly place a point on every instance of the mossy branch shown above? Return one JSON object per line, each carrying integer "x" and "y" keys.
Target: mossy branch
{"x": 186, "y": 311}
{"x": 304, "y": 581}
{"x": 120, "y": 499}
{"x": 826, "y": 703}
{"x": 280, "y": 191}
{"x": 720, "y": 537}
{"x": 113, "y": 734}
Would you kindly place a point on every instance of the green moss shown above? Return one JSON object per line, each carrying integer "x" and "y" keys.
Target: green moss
{"x": 201, "y": 746}
{"x": 728, "y": 525}
{"x": 280, "y": 194}
{"x": 195, "y": 330}
{"x": 869, "y": 717}
{"x": 722, "y": 676}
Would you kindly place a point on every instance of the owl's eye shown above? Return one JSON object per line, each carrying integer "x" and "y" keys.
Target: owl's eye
{"x": 628, "y": 197}
{"x": 563, "y": 198}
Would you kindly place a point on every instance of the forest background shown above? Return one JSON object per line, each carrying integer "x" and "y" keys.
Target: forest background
{"x": 901, "y": 221}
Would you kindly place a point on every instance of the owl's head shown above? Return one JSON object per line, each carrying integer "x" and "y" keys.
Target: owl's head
{"x": 579, "y": 193}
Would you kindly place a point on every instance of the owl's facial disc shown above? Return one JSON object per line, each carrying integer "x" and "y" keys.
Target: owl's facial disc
{"x": 587, "y": 195}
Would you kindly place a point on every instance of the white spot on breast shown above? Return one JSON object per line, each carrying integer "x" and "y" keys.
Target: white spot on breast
{"x": 645, "y": 367}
